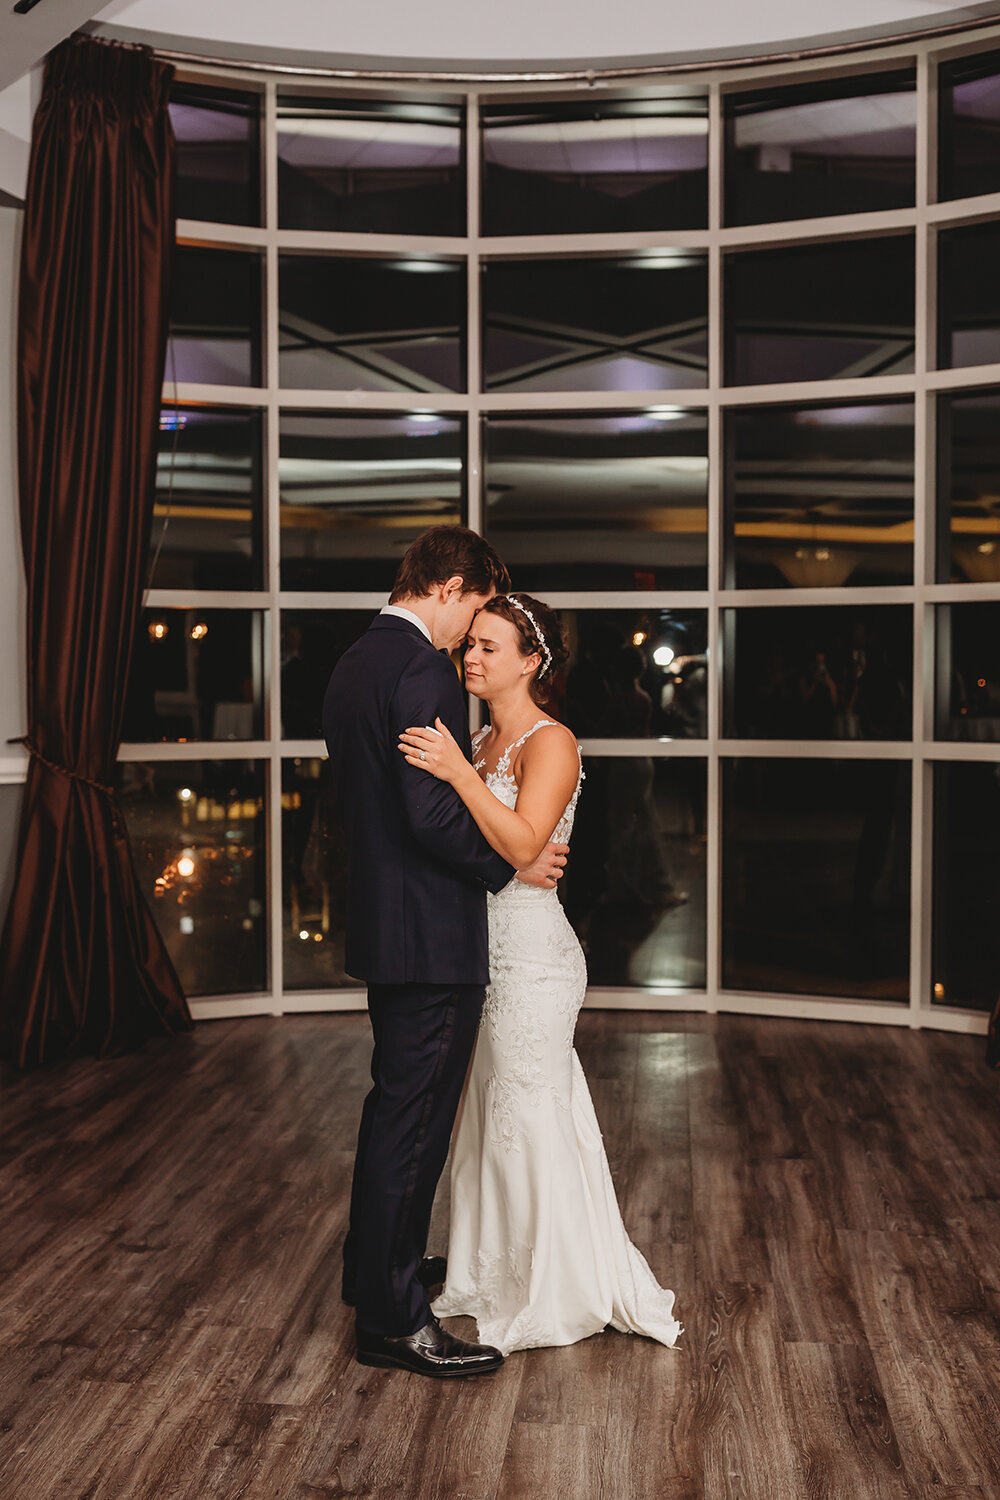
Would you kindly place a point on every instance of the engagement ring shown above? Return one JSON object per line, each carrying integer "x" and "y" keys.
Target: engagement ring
{"x": 423, "y": 755}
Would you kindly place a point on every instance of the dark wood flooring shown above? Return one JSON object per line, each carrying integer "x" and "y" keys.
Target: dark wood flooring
{"x": 824, "y": 1199}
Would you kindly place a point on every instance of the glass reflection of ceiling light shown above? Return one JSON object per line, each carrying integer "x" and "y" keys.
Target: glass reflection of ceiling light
{"x": 187, "y": 925}
{"x": 185, "y": 866}
{"x": 664, "y": 655}
{"x": 185, "y": 794}
{"x": 199, "y": 631}
{"x": 939, "y": 992}
{"x": 638, "y": 637}
{"x": 158, "y": 630}
{"x": 172, "y": 420}
{"x": 987, "y": 548}
{"x": 427, "y": 266}
{"x": 423, "y": 416}
{"x": 304, "y": 935}
{"x": 666, "y": 413}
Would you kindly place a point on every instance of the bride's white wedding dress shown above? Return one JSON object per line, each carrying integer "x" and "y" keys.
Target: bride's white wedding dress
{"x": 538, "y": 1253}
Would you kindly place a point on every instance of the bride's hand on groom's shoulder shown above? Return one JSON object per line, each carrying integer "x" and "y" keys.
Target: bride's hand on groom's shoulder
{"x": 434, "y": 750}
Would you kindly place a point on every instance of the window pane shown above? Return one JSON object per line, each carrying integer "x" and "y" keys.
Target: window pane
{"x": 633, "y": 674}
{"x": 843, "y": 672}
{"x": 634, "y": 887}
{"x": 312, "y": 643}
{"x": 208, "y": 508}
{"x": 369, "y": 165}
{"x": 314, "y": 878}
{"x": 614, "y": 165}
{"x": 968, "y": 494}
{"x": 371, "y": 325}
{"x": 969, "y": 146}
{"x": 616, "y": 501}
{"x": 196, "y": 674}
{"x": 968, "y": 675}
{"x": 819, "y": 312}
{"x": 357, "y": 490}
{"x": 218, "y": 154}
{"x": 811, "y": 149}
{"x": 966, "y": 954}
{"x": 596, "y": 325}
{"x": 197, "y": 831}
{"x": 816, "y": 877}
{"x": 819, "y": 496}
{"x": 215, "y": 315}
{"x": 968, "y": 296}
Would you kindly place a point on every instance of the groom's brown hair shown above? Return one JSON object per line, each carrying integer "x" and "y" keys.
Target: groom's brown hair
{"x": 447, "y": 552}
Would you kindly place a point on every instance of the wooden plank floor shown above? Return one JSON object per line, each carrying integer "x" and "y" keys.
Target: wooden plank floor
{"x": 824, "y": 1199}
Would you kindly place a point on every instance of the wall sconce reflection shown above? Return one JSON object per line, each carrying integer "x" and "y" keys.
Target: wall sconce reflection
{"x": 158, "y": 630}
{"x": 199, "y": 631}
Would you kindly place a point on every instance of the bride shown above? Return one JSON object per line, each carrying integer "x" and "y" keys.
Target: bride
{"x": 538, "y": 1253}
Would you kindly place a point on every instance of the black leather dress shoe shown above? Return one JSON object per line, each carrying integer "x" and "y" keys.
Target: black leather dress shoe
{"x": 430, "y": 1351}
{"x": 430, "y": 1272}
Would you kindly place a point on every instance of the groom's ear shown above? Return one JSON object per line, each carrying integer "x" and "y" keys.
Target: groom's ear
{"x": 451, "y": 587}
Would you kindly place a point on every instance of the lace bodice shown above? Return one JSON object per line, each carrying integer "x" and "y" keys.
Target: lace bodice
{"x": 503, "y": 786}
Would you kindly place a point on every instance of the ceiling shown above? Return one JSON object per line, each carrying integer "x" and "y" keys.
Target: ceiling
{"x": 520, "y": 34}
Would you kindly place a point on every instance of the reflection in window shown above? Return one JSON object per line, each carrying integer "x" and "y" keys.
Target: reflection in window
{"x": 616, "y": 501}
{"x": 218, "y": 154}
{"x": 596, "y": 325}
{"x": 968, "y": 671}
{"x": 634, "y": 674}
{"x": 969, "y": 142}
{"x": 314, "y": 878}
{"x": 634, "y": 888}
{"x": 370, "y": 165}
{"x": 820, "y": 312}
{"x": 208, "y": 505}
{"x": 819, "y": 496}
{"x": 371, "y": 325}
{"x": 197, "y": 830}
{"x": 968, "y": 494}
{"x": 613, "y": 165}
{"x": 966, "y": 949}
{"x": 968, "y": 296}
{"x": 816, "y": 877}
{"x": 838, "y": 673}
{"x": 215, "y": 314}
{"x": 312, "y": 643}
{"x": 843, "y": 146}
{"x": 196, "y": 674}
{"x": 357, "y": 490}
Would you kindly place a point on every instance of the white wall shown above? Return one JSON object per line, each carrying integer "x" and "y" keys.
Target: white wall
{"x": 12, "y": 590}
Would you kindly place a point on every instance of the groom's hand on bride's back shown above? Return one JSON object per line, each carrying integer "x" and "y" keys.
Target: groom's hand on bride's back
{"x": 547, "y": 868}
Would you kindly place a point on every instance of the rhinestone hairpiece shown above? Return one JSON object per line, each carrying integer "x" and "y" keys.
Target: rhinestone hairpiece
{"x": 539, "y": 635}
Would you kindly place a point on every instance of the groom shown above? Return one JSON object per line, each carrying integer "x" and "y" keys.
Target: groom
{"x": 416, "y": 931}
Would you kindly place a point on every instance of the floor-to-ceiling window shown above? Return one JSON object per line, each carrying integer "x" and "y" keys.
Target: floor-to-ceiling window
{"x": 714, "y": 361}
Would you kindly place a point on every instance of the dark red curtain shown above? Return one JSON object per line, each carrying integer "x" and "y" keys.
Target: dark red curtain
{"x": 83, "y": 968}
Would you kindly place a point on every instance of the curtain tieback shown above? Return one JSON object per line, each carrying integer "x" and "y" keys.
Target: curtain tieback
{"x": 33, "y": 750}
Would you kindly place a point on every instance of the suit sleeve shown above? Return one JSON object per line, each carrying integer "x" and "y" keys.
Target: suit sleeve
{"x": 436, "y": 815}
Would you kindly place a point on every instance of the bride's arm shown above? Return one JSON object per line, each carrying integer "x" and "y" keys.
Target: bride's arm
{"x": 550, "y": 766}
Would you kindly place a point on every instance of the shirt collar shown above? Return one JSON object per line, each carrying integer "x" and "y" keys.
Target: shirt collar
{"x": 406, "y": 614}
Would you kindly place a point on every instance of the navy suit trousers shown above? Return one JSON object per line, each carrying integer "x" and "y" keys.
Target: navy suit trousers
{"x": 424, "y": 1036}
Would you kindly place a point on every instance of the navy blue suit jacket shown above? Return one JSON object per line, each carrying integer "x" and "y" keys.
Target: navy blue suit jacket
{"x": 420, "y": 868}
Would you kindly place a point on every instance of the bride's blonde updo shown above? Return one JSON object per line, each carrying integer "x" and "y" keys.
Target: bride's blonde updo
{"x": 540, "y": 630}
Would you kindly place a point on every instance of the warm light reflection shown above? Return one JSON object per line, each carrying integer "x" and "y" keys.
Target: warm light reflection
{"x": 199, "y": 631}
{"x": 185, "y": 866}
{"x": 158, "y": 630}
{"x": 638, "y": 638}
{"x": 663, "y": 655}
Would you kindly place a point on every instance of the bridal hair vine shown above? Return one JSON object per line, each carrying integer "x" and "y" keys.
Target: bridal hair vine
{"x": 539, "y": 634}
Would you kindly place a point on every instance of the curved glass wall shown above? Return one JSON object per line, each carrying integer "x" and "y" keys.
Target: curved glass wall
{"x": 714, "y": 361}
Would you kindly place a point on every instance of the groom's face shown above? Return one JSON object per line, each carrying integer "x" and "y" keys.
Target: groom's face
{"x": 458, "y": 614}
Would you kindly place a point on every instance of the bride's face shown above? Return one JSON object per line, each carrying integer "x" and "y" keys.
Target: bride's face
{"x": 494, "y": 665}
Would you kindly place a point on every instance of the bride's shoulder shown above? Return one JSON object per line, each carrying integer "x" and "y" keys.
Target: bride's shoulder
{"x": 551, "y": 742}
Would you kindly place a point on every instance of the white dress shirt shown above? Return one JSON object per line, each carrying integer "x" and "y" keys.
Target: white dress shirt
{"x": 406, "y": 614}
